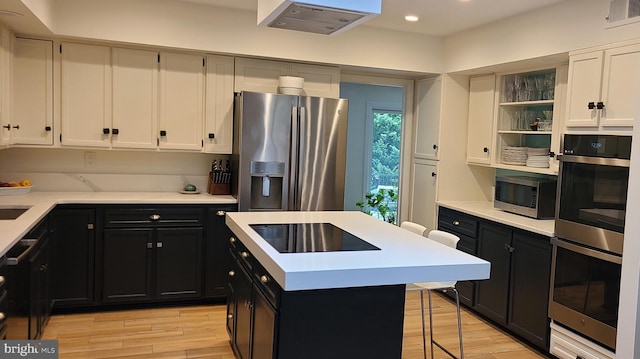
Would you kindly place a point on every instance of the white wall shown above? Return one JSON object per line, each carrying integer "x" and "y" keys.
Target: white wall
{"x": 200, "y": 27}
{"x": 560, "y": 28}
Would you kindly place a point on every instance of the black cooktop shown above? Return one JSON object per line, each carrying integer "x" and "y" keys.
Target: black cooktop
{"x": 310, "y": 237}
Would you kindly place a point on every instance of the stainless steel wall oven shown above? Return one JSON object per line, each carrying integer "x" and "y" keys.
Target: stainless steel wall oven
{"x": 589, "y": 225}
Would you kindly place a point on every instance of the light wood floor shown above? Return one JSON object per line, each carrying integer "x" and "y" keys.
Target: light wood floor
{"x": 199, "y": 332}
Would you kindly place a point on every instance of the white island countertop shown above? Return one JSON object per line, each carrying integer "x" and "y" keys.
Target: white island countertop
{"x": 39, "y": 204}
{"x": 404, "y": 257}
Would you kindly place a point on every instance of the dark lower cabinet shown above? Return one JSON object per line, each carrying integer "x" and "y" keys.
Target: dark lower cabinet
{"x": 266, "y": 322}
{"x": 516, "y": 296}
{"x": 492, "y": 295}
{"x": 142, "y": 264}
{"x": 40, "y": 289}
{"x": 127, "y": 265}
{"x": 529, "y": 288}
{"x": 217, "y": 258}
{"x": 73, "y": 249}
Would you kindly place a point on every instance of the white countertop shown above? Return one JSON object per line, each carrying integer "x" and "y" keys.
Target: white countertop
{"x": 404, "y": 257}
{"x": 40, "y": 203}
{"x": 485, "y": 209}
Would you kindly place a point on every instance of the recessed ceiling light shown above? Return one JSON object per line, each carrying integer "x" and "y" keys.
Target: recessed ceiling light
{"x": 411, "y": 18}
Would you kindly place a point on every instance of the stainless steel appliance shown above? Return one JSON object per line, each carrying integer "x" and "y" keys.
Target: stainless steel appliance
{"x": 594, "y": 178}
{"x": 289, "y": 152}
{"x": 527, "y": 196}
{"x": 589, "y": 225}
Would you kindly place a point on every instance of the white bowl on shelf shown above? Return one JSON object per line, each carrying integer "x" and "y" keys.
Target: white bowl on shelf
{"x": 10, "y": 191}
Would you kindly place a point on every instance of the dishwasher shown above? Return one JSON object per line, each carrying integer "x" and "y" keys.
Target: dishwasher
{"x": 26, "y": 265}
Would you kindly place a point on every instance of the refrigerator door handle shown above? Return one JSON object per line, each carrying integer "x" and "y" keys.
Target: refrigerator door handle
{"x": 293, "y": 175}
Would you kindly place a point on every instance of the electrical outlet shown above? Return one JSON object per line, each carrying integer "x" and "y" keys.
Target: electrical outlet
{"x": 90, "y": 159}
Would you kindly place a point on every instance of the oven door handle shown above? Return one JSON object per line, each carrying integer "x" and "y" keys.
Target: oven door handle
{"x": 586, "y": 251}
{"x": 603, "y": 161}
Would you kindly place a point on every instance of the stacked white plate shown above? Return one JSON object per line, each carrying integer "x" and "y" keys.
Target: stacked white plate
{"x": 512, "y": 155}
{"x": 538, "y": 157}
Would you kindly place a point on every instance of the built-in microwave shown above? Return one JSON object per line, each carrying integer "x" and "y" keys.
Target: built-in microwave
{"x": 527, "y": 196}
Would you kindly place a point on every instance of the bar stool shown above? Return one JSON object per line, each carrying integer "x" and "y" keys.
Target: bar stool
{"x": 450, "y": 240}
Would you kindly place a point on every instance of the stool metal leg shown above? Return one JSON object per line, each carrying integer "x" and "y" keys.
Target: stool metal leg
{"x": 424, "y": 336}
{"x": 433, "y": 342}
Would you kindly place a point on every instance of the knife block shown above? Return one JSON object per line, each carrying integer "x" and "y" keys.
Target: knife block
{"x": 217, "y": 188}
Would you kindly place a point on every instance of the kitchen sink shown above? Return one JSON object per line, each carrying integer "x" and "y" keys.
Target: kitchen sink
{"x": 12, "y": 213}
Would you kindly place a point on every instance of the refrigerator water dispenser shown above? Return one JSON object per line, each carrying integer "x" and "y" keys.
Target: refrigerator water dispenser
{"x": 266, "y": 185}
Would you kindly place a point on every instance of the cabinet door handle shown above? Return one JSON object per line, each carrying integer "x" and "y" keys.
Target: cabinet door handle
{"x": 435, "y": 147}
{"x": 149, "y": 245}
{"x": 485, "y": 149}
{"x": 154, "y": 217}
{"x": 163, "y": 133}
{"x": 89, "y": 226}
{"x": 433, "y": 174}
{"x": 220, "y": 213}
{"x": 47, "y": 128}
{"x": 105, "y": 131}
{"x": 264, "y": 279}
{"x": 232, "y": 239}
{"x": 17, "y": 127}
{"x": 600, "y": 105}
{"x": 456, "y": 223}
{"x": 244, "y": 254}
{"x": 232, "y": 273}
{"x": 159, "y": 245}
{"x": 1, "y": 280}
{"x": 230, "y": 316}
{"x": 591, "y": 105}
{"x": 509, "y": 248}
{"x": 8, "y": 127}
{"x": 211, "y": 136}
{"x": 116, "y": 131}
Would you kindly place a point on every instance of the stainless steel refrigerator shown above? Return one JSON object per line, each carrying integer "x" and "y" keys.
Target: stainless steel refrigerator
{"x": 289, "y": 152}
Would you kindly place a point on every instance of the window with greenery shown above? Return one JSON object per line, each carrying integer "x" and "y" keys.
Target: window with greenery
{"x": 382, "y": 199}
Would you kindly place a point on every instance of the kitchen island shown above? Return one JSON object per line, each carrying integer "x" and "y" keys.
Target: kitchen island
{"x": 316, "y": 300}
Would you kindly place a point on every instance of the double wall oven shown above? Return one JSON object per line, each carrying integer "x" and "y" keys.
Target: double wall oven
{"x": 589, "y": 225}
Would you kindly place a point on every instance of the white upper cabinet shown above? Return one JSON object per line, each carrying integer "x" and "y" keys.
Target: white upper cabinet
{"x": 428, "y": 113}
{"x": 264, "y": 75}
{"x": 481, "y": 117}
{"x": 135, "y": 98}
{"x": 259, "y": 75}
{"x": 218, "y": 136}
{"x": 31, "y": 119}
{"x": 603, "y": 88}
{"x": 85, "y": 95}
{"x": 181, "y": 101}
{"x": 319, "y": 81}
{"x": 5, "y": 86}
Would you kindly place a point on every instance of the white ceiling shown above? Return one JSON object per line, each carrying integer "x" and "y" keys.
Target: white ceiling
{"x": 437, "y": 17}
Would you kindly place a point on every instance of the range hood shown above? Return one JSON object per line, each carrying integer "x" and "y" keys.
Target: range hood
{"x": 325, "y": 17}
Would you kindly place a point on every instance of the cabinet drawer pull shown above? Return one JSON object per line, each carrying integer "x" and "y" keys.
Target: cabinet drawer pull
{"x": 232, "y": 240}
{"x": 149, "y": 245}
{"x": 2, "y": 317}
{"x": 159, "y": 245}
{"x": 591, "y": 105}
{"x": 230, "y": 316}
{"x": 220, "y": 213}
{"x": 154, "y": 217}
{"x": 600, "y": 105}
{"x": 264, "y": 279}
{"x": 244, "y": 254}
{"x": 456, "y": 223}
{"x": 232, "y": 273}
{"x": 1, "y": 280}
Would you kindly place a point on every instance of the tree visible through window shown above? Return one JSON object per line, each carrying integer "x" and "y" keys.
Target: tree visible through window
{"x": 382, "y": 200}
